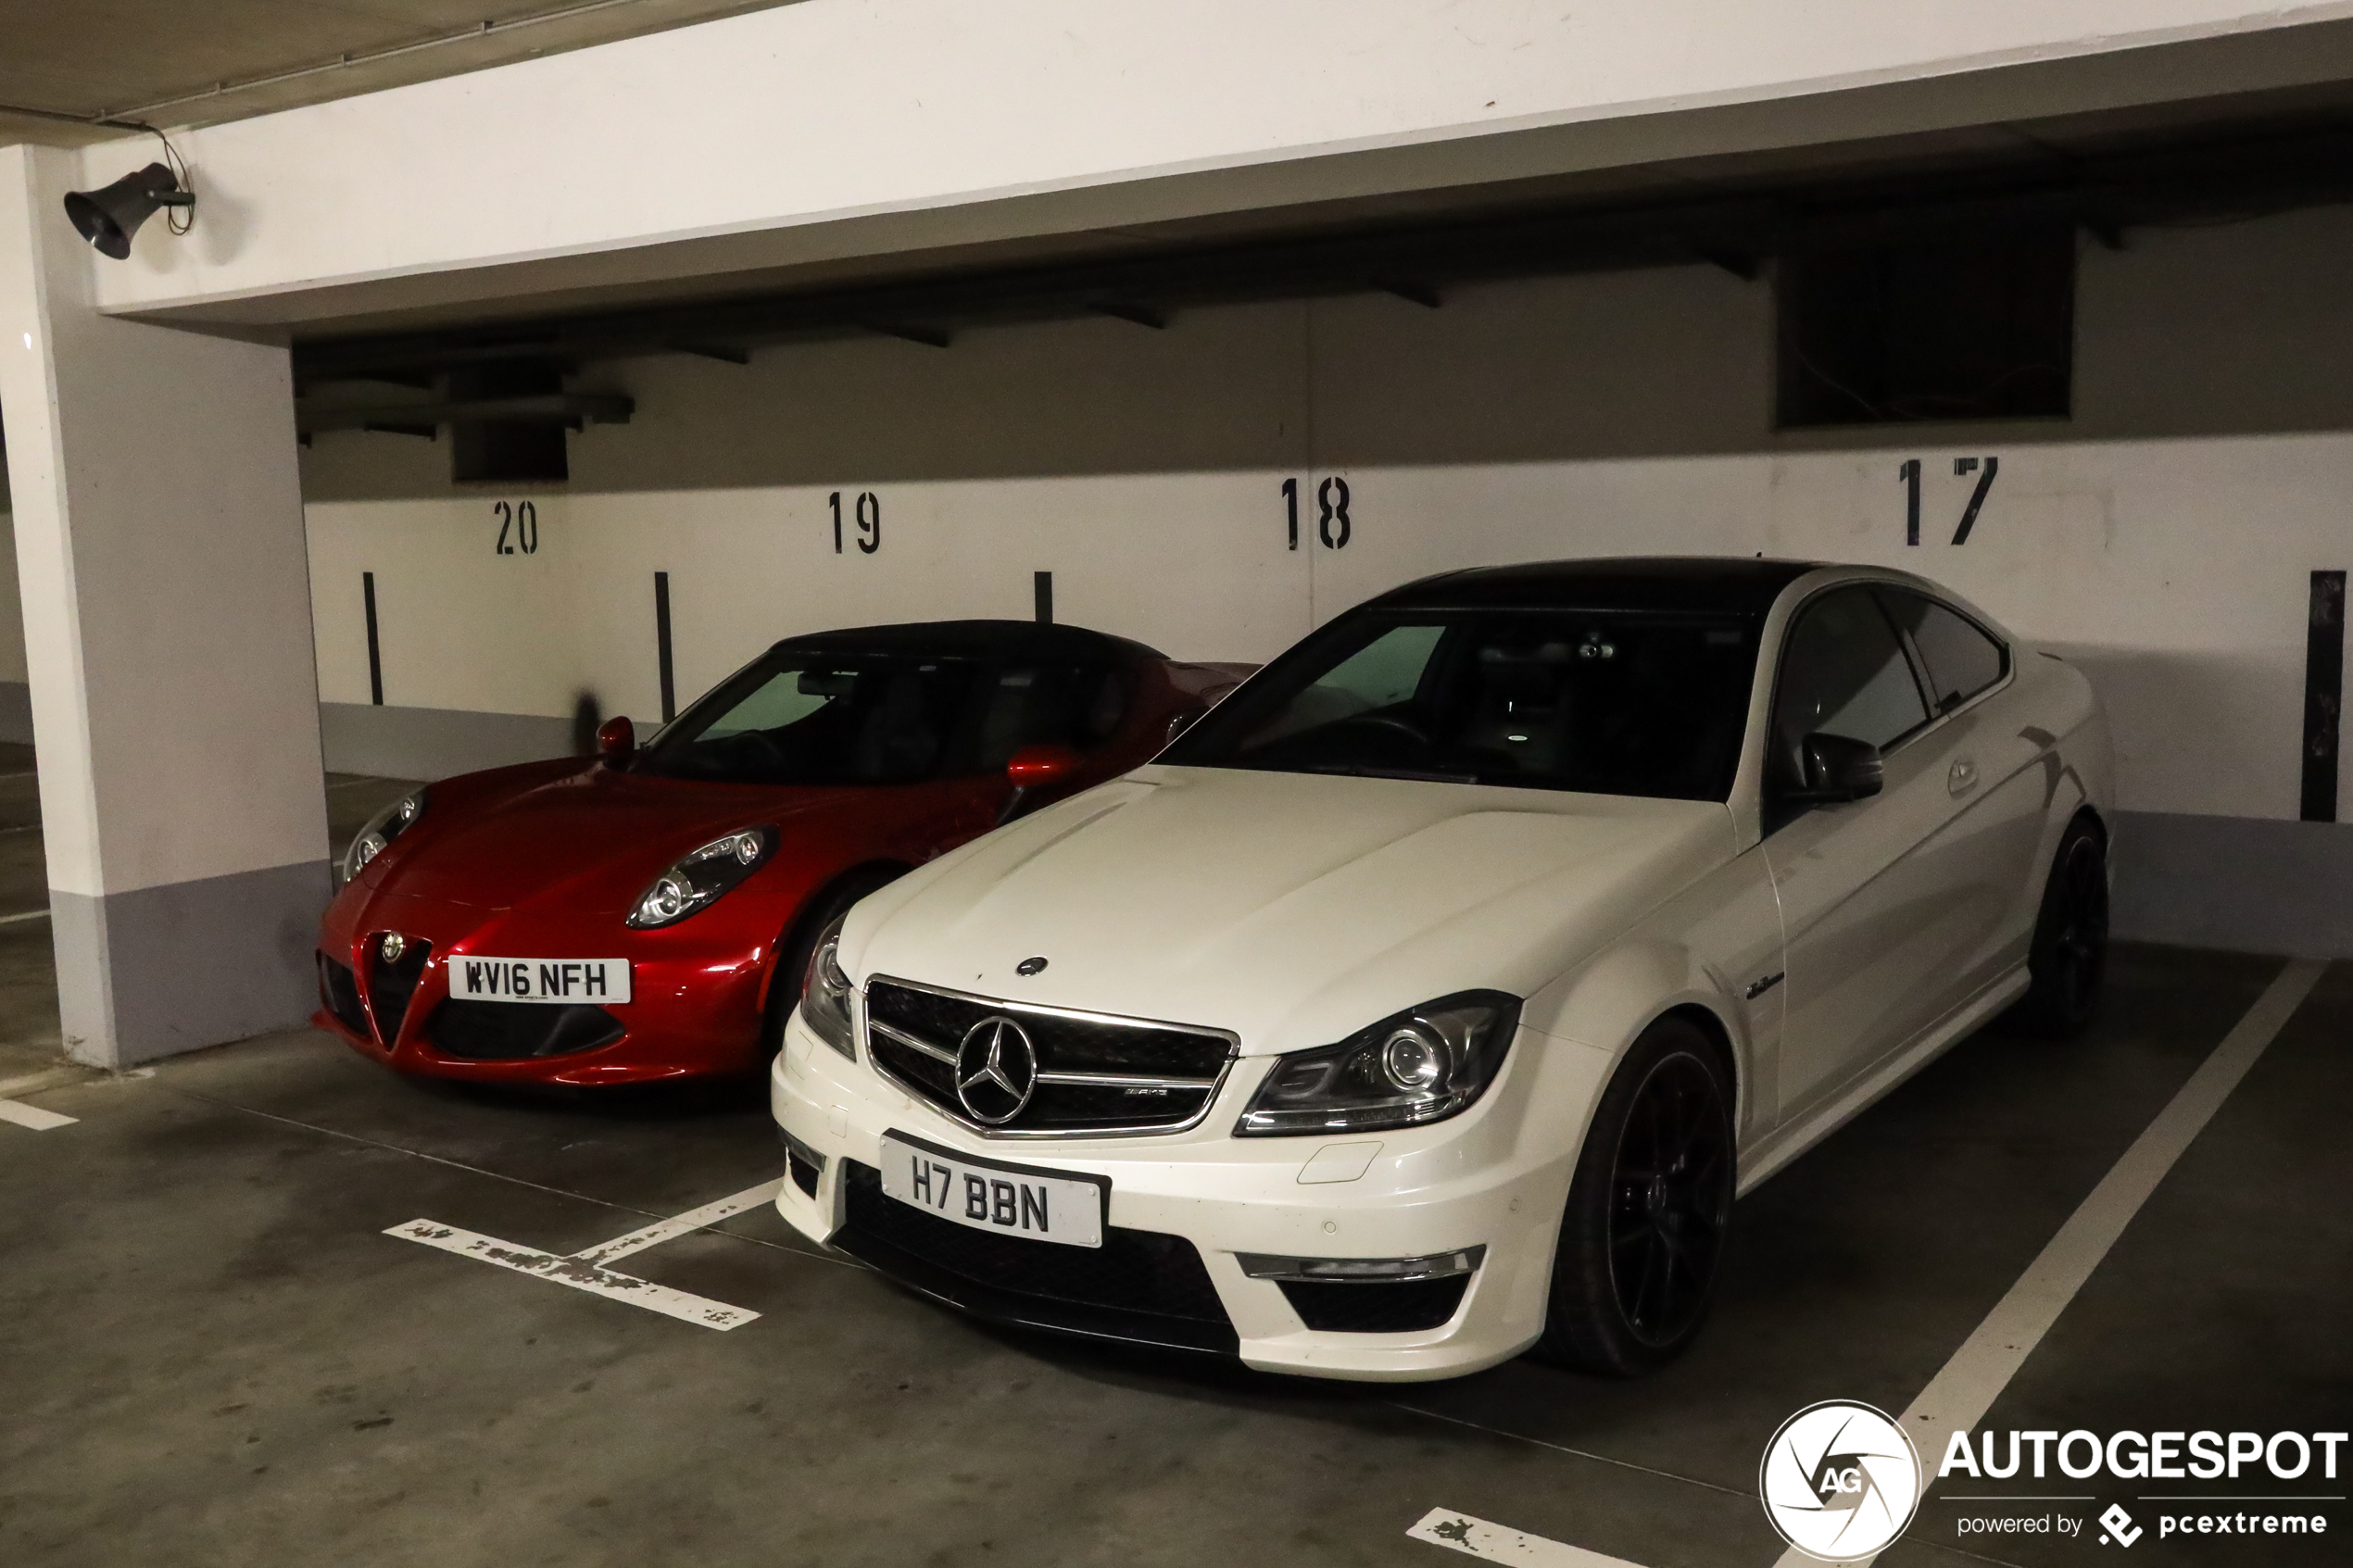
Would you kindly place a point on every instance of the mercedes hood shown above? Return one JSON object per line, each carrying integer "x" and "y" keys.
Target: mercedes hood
{"x": 1290, "y": 909}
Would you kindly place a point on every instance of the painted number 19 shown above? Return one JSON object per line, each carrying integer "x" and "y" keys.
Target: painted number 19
{"x": 867, "y": 512}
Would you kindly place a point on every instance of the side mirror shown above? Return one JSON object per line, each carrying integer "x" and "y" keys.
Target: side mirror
{"x": 1838, "y": 768}
{"x": 1036, "y": 767}
{"x": 616, "y": 740}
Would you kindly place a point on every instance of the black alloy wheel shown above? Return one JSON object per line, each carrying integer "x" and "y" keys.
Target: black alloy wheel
{"x": 2068, "y": 958}
{"x": 1649, "y": 1211}
{"x": 1670, "y": 1201}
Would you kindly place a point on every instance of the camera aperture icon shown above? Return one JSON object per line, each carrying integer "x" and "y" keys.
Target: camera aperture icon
{"x": 1840, "y": 1481}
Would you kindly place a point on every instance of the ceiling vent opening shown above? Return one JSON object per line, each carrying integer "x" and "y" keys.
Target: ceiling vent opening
{"x": 1930, "y": 328}
{"x": 508, "y": 451}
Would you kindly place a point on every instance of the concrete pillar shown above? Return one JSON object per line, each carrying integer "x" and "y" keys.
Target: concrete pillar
{"x": 167, "y": 618}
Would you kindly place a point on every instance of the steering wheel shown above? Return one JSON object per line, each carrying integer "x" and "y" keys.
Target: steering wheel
{"x": 754, "y": 751}
{"x": 1389, "y": 722}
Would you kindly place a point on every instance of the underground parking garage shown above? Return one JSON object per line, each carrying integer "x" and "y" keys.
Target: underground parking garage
{"x": 917, "y": 783}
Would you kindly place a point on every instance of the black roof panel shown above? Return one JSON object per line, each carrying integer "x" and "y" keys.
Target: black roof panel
{"x": 974, "y": 639}
{"x": 1743, "y": 584}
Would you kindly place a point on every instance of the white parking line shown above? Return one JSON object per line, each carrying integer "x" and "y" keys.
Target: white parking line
{"x": 692, "y": 1220}
{"x": 33, "y": 1116}
{"x": 585, "y": 1270}
{"x": 1958, "y": 1397}
{"x": 1500, "y": 1543}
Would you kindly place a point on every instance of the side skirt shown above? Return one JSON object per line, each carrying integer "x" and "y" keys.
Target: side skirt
{"x": 1778, "y": 1148}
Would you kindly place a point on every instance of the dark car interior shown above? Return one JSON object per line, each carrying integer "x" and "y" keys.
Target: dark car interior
{"x": 800, "y": 718}
{"x": 1603, "y": 702}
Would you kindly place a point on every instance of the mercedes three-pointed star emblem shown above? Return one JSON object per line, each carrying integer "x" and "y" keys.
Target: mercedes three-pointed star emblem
{"x": 996, "y": 1071}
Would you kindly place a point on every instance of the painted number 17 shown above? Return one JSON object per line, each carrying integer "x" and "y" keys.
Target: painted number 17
{"x": 1909, "y": 476}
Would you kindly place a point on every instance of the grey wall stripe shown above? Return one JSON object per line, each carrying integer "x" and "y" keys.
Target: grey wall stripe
{"x": 375, "y": 653}
{"x": 2323, "y": 695}
{"x": 661, "y": 645}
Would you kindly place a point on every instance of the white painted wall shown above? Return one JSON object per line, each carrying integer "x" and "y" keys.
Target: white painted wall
{"x": 2163, "y": 535}
{"x": 845, "y": 128}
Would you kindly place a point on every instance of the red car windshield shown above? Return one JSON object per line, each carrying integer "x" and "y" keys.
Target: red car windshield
{"x": 1605, "y": 702}
{"x": 805, "y": 718}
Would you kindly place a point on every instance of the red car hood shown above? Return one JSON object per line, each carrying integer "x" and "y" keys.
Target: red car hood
{"x": 595, "y": 838}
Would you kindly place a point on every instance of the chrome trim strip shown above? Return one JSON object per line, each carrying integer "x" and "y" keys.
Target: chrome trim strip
{"x": 1001, "y": 1004}
{"x": 1363, "y": 1270}
{"x": 1126, "y": 1081}
{"x": 899, "y": 1036}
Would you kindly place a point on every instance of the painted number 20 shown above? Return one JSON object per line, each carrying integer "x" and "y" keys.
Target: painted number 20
{"x": 1332, "y": 527}
{"x": 520, "y": 518}
{"x": 868, "y": 514}
{"x": 1909, "y": 475}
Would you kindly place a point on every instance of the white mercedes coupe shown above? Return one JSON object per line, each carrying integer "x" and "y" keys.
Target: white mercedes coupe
{"x": 1429, "y": 999}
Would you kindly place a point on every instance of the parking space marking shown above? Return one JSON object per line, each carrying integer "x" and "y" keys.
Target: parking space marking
{"x": 692, "y": 1220}
{"x": 33, "y": 1116}
{"x": 1500, "y": 1543}
{"x": 699, "y": 1310}
{"x": 1959, "y": 1395}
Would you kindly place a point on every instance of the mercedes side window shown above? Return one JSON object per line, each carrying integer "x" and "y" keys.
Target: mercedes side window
{"x": 1961, "y": 660}
{"x": 1843, "y": 673}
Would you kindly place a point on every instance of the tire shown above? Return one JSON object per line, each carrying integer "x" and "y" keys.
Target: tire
{"x": 2069, "y": 958}
{"x": 1639, "y": 1245}
{"x": 799, "y": 941}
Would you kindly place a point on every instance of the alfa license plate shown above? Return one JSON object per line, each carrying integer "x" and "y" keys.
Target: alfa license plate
{"x": 990, "y": 1196}
{"x": 539, "y": 980}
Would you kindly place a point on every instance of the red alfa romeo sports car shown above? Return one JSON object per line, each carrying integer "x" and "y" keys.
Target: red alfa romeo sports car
{"x": 648, "y": 915}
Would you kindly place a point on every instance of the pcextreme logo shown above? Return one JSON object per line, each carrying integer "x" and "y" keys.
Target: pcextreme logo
{"x": 1840, "y": 1481}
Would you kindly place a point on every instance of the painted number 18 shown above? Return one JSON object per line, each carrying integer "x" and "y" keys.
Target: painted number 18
{"x": 1332, "y": 527}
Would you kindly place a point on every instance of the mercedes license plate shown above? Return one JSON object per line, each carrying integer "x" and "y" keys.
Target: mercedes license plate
{"x": 990, "y": 1196}
{"x": 538, "y": 979}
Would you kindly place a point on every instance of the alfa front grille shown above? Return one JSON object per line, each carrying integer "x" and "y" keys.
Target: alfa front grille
{"x": 1138, "y": 1285}
{"x": 1094, "y": 1073}
{"x": 339, "y": 992}
{"x": 391, "y": 982}
{"x": 518, "y": 1030}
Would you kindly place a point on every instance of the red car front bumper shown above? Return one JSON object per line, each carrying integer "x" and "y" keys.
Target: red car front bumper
{"x": 697, "y": 990}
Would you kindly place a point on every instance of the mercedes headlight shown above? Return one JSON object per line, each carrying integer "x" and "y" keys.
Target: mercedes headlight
{"x": 1421, "y": 1065}
{"x": 382, "y": 829}
{"x": 825, "y": 993}
{"x": 699, "y": 876}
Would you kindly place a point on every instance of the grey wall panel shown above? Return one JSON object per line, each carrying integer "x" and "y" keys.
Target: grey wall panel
{"x": 434, "y": 743}
{"x": 16, "y": 712}
{"x": 159, "y": 969}
{"x": 2238, "y": 882}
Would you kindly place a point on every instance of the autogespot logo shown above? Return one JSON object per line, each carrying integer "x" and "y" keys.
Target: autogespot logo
{"x": 1840, "y": 1481}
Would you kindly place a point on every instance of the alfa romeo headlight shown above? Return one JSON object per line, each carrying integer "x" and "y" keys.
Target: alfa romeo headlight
{"x": 824, "y": 994}
{"x": 382, "y": 829}
{"x": 699, "y": 876}
{"x": 1421, "y": 1065}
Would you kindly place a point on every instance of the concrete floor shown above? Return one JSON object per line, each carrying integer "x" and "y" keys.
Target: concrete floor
{"x": 211, "y": 1353}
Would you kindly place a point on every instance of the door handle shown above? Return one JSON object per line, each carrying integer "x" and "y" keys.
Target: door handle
{"x": 1962, "y": 777}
